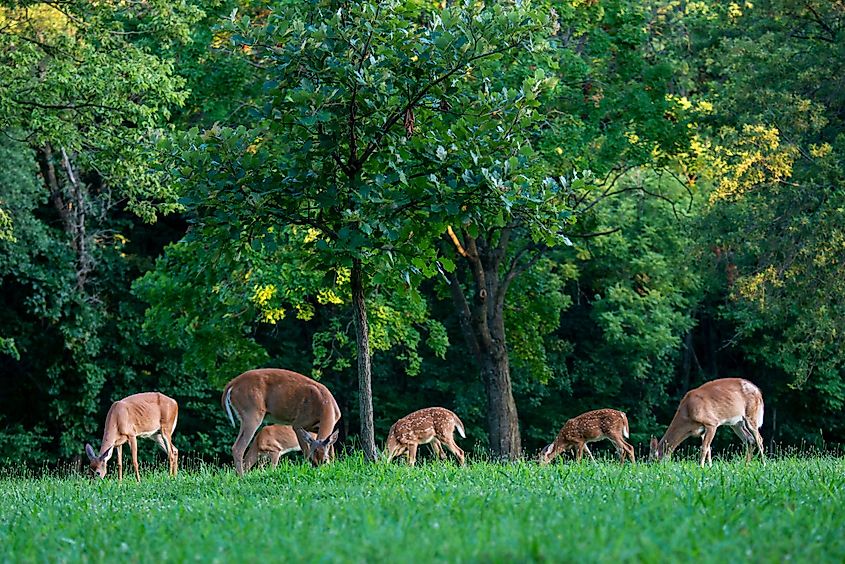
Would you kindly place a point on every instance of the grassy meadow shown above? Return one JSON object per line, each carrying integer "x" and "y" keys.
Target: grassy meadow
{"x": 790, "y": 509}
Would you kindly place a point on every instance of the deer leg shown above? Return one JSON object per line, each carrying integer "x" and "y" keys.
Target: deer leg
{"x": 133, "y": 448}
{"x": 159, "y": 440}
{"x": 437, "y": 449}
{"x": 741, "y": 431}
{"x": 249, "y": 425}
{"x": 251, "y": 456}
{"x": 395, "y": 453}
{"x": 175, "y": 459}
{"x": 623, "y": 448}
{"x": 412, "y": 454}
{"x": 580, "y": 451}
{"x": 456, "y": 450}
{"x": 627, "y": 449}
{"x": 170, "y": 449}
{"x": 274, "y": 458}
{"x": 756, "y": 438}
{"x": 759, "y": 440}
{"x": 120, "y": 463}
{"x": 706, "y": 439}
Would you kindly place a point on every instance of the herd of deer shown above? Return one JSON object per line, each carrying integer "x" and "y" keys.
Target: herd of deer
{"x": 307, "y": 414}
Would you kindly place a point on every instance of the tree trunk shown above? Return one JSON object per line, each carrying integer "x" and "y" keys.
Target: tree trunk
{"x": 69, "y": 197}
{"x": 483, "y": 326}
{"x": 362, "y": 338}
{"x": 502, "y": 417}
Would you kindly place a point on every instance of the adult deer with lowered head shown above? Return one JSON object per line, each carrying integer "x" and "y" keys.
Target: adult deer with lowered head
{"x": 728, "y": 401}
{"x": 273, "y": 441}
{"x": 288, "y": 398}
{"x": 432, "y": 425}
{"x": 587, "y": 428}
{"x": 147, "y": 415}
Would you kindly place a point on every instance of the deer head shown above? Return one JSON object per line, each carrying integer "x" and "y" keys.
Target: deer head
{"x": 546, "y": 454}
{"x": 655, "y": 451}
{"x": 316, "y": 451}
{"x": 98, "y": 462}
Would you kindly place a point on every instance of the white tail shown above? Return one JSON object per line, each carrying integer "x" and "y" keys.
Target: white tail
{"x": 587, "y": 428}
{"x": 289, "y": 398}
{"x": 227, "y": 403}
{"x": 148, "y": 414}
{"x": 728, "y": 401}
{"x": 432, "y": 425}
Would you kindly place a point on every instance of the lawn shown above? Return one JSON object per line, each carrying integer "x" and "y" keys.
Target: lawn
{"x": 791, "y": 509}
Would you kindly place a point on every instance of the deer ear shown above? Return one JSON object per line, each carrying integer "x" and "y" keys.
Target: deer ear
{"x": 303, "y": 435}
{"x": 547, "y": 449}
{"x": 305, "y": 439}
{"x": 332, "y": 438}
{"x": 89, "y": 450}
{"x": 107, "y": 455}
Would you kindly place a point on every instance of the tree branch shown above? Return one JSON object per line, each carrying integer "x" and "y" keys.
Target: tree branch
{"x": 456, "y": 241}
{"x": 399, "y": 114}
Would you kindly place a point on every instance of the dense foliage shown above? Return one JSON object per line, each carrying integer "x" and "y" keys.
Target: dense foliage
{"x": 540, "y": 208}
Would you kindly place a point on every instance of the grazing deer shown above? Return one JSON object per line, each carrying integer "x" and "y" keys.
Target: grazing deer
{"x": 432, "y": 425}
{"x": 288, "y": 398}
{"x": 728, "y": 401}
{"x": 587, "y": 428}
{"x": 147, "y": 415}
{"x": 273, "y": 441}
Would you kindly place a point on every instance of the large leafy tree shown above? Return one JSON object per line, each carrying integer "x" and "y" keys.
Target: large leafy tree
{"x": 81, "y": 93}
{"x": 608, "y": 114}
{"x": 353, "y": 134}
{"x": 767, "y": 78}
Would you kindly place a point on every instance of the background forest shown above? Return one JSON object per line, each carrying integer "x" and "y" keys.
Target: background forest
{"x": 542, "y": 208}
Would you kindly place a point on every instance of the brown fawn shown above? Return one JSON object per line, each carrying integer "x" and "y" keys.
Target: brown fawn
{"x": 432, "y": 425}
{"x": 288, "y": 398}
{"x": 587, "y": 428}
{"x": 146, "y": 415}
{"x": 727, "y": 401}
{"x": 272, "y": 441}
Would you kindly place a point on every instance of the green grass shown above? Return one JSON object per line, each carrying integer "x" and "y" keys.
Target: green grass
{"x": 791, "y": 509}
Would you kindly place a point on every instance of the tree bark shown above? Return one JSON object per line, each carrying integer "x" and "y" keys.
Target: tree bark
{"x": 69, "y": 197}
{"x": 483, "y": 326}
{"x": 362, "y": 338}
{"x": 502, "y": 417}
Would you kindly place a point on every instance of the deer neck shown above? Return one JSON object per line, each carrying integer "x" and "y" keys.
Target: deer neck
{"x": 559, "y": 447}
{"x": 328, "y": 420}
{"x": 678, "y": 431}
{"x": 110, "y": 432}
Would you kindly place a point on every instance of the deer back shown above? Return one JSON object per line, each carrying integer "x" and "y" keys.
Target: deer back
{"x": 423, "y": 424}
{"x": 592, "y": 425}
{"x": 140, "y": 414}
{"x": 723, "y": 401}
{"x": 287, "y": 397}
{"x": 277, "y": 438}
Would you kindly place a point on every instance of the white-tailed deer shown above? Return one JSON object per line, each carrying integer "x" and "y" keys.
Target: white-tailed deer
{"x": 146, "y": 415}
{"x": 288, "y": 398}
{"x": 432, "y": 425}
{"x": 729, "y": 401}
{"x": 272, "y": 441}
{"x": 590, "y": 427}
